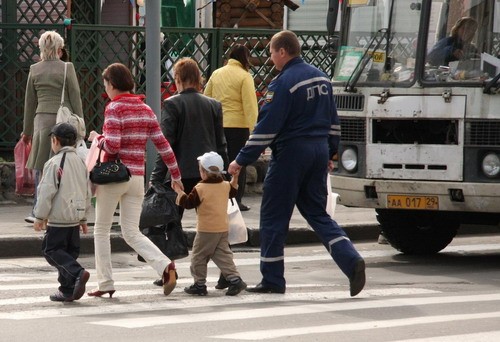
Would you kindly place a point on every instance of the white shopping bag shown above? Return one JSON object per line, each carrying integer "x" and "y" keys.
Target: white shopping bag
{"x": 331, "y": 201}
{"x": 237, "y": 227}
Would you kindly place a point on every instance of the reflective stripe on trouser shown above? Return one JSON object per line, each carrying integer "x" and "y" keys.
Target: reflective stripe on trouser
{"x": 297, "y": 176}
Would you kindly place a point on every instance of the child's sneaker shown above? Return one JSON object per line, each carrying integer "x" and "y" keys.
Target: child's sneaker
{"x": 195, "y": 289}
{"x": 236, "y": 286}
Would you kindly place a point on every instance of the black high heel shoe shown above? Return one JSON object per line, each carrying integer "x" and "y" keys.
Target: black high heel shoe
{"x": 98, "y": 293}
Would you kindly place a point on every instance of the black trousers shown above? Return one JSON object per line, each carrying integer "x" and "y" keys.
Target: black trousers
{"x": 236, "y": 138}
{"x": 61, "y": 248}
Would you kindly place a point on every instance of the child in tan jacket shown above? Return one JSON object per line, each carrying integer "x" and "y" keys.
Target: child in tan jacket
{"x": 210, "y": 197}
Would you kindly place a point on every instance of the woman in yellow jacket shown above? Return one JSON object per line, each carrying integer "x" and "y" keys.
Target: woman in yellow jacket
{"x": 233, "y": 86}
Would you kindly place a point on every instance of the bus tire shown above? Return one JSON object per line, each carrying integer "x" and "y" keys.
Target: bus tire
{"x": 417, "y": 232}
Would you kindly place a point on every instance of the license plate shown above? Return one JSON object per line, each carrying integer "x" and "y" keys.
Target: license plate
{"x": 412, "y": 202}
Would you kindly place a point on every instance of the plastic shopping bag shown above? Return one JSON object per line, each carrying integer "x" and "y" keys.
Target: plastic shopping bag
{"x": 81, "y": 150}
{"x": 92, "y": 154}
{"x": 237, "y": 228}
{"x": 331, "y": 201}
{"x": 158, "y": 206}
{"x": 161, "y": 223}
{"x": 25, "y": 178}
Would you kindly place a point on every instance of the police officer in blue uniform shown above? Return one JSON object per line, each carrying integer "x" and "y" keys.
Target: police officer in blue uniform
{"x": 299, "y": 122}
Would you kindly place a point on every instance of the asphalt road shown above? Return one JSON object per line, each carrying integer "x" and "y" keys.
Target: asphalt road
{"x": 452, "y": 296}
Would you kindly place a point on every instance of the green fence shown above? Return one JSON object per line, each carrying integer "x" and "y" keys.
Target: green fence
{"x": 93, "y": 47}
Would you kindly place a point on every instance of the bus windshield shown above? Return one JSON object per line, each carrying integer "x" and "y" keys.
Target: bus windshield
{"x": 461, "y": 45}
{"x": 381, "y": 42}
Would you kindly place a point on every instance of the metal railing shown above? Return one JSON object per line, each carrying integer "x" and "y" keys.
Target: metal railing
{"x": 93, "y": 47}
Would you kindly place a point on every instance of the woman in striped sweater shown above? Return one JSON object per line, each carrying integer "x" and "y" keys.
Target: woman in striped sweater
{"x": 128, "y": 123}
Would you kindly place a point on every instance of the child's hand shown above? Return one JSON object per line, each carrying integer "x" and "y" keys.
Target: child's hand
{"x": 39, "y": 225}
{"x": 234, "y": 179}
{"x": 178, "y": 186}
{"x": 84, "y": 228}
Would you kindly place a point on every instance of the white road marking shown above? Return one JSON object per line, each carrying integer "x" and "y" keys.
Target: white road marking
{"x": 490, "y": 336}
{"x": 149, "y": 321}
{"x": 28, "y": 263}
{"x": 179, "y": 300}
{"x": 380, "y": 324}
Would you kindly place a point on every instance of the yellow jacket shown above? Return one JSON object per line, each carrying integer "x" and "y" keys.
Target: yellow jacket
{"x": 233, "y": 86}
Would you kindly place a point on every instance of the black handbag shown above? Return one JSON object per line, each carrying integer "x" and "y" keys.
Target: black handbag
{"x": 161, "y": 223}
{"x": 170, "y": 239}
{"x": 109, "y": 172}
{"x": 158, "y": 206}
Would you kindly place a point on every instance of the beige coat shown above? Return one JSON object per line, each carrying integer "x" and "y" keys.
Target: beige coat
{"x": 42, "y": 99}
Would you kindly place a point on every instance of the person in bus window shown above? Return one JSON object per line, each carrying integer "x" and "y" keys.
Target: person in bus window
{"x": 457, "y": 46}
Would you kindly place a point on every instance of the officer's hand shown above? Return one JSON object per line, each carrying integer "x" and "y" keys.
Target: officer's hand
{"x": 331, "y": 165}
{"x": 234, "y": 168}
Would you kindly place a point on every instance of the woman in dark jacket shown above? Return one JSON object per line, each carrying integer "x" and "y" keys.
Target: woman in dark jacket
{"x": 192, "y": 123}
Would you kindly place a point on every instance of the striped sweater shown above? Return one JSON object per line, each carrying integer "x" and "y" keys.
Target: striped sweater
{"x": 128, "y": 123}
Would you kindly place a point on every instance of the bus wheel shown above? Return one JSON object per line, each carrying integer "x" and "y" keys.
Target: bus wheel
{"x": 417, "y": 232}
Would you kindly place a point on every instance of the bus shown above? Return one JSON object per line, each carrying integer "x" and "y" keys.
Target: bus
{"x": 420, "y": 139}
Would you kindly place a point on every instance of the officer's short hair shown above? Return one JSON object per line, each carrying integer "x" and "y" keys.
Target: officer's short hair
{"x": 288, "y": 41}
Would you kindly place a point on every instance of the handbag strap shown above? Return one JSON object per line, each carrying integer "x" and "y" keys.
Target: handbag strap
{"x": 98, "y": 160}
{"x": 60, "y": 170}
{"x": 64, "y": 82}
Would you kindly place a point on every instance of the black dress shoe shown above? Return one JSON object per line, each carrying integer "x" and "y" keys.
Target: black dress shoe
{"x": 259, "y": 288}
{"x": 243, "y": 207}
{"x": 358, "y": 279}
{"x": 60, "y": 297}
{"x": 158, "y": 282}
{"x": 80, "y": 282}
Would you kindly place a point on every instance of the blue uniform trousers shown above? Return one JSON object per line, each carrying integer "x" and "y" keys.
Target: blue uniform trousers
{"x": 297, "y": 176}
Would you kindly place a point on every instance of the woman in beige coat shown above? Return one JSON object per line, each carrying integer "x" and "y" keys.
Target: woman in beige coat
{"x": 43, "y": 98}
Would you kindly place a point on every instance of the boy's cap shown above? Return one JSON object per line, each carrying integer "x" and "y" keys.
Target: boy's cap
{"x": 211, "y": 159}
{"x": 64, "y": 130}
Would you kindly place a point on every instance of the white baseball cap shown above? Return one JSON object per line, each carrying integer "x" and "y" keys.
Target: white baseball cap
{"x": 210, "y": 159}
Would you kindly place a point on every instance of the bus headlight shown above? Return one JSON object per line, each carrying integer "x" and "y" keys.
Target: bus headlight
{"x": 349, "y": 159}
{"x": 491, "y": 165}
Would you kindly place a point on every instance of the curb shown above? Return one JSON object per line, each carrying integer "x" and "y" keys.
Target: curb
{"x": 22, "y": 246}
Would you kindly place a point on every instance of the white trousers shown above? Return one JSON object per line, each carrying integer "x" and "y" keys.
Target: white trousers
{"x": 130, "y": 196}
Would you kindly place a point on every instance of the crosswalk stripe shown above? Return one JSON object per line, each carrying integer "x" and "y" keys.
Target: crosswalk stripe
{"x": 379, "y": 324}
{"x": 490, "y": 336}
{"x": 184, "y": 301}
{"x": 322, "y": 255}
{"x": 150, "y": 321}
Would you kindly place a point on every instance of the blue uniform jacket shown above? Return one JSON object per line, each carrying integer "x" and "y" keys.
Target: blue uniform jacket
{"x": 299, "y": 104}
